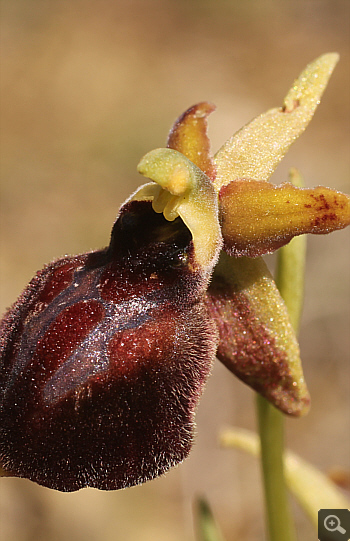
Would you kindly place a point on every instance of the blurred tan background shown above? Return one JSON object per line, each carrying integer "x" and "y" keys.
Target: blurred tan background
{"x": 87, "y": 88}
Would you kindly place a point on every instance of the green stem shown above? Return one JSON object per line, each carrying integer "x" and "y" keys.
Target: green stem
{"x": 290, "y": 282}
{"x": 291, "y": 268}
{"x": 271, "y": 430}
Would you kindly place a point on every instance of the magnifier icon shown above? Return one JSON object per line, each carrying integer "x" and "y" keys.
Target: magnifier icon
{"x": 332, "y": 524}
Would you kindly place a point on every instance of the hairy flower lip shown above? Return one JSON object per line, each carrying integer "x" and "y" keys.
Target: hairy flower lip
{"x": 104, "y": 392}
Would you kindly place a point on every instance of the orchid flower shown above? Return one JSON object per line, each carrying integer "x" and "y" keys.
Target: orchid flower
{"x": 105, "y": 355}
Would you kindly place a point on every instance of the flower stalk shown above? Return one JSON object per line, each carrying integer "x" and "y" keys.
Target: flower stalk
{"x": 291, "y": 267}
{"x": 279, "y": 521}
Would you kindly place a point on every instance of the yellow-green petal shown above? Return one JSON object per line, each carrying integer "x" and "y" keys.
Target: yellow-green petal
{"x": 255, "y": 151}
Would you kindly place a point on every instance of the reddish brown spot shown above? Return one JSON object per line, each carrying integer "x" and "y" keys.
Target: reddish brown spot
{"x": 324, "y": 220}
{"x": 118, "y": 285}
{"x": 61, "y": 278}
{"x": 294, "y": 105}
{"x": 64, "y": 334}
{"x": 132, "y": 350}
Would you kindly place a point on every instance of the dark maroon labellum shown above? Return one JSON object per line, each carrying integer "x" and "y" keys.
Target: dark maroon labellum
{"x": 103, "y": 359}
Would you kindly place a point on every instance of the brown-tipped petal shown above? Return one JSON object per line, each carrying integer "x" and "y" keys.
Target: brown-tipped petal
{"x": 257, "y": 342}
{"x": 256, "y": 149}
{"x": 258, "y": 217}
{"x": 189, "y": 136}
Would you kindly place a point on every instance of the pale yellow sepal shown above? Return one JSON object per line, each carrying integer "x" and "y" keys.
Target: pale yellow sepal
{"x": 184, "y": 190}
{"x": 255, "y": 151}
{"x": 311, "y": 487}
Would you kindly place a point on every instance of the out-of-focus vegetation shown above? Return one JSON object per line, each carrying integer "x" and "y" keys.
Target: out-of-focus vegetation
{"x": 87, "y": 88}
